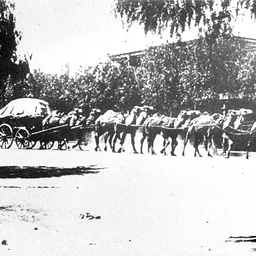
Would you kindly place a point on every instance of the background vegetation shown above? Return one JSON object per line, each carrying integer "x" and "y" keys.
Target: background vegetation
{"x": 169, "y": 77}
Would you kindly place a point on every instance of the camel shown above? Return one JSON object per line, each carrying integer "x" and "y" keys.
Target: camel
{"x": 180, "y": 126}
{"x": 105, "y": 125}
{"x": 150, "y": 129}
{"x": 232, "y": 133}
{"x": 209, "y": 128}
{"x": 251, "y": 143}
{"x": 169, "y": 127}
{"x": 130, "y": 125}
{"x": 158, "y": 124}
{"x": 82, "y": 124}
{"x": 199, "y": 128}
{"x": 55, "y": 119}
{"x": 74, "y": 121}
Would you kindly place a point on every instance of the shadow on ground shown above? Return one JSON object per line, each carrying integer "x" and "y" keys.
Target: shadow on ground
{"x": 243, "y": 239}
{"x": 34, "y": 172}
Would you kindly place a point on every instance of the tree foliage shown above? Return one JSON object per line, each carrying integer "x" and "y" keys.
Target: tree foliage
{"x": 105, "y": 86}
{"x": 12, "y": 70}
{"x": 215, "y": 65}
{"x": 213, "y": 16}
{"x": 170, "y": 77}
{"x": 176, "y": 75}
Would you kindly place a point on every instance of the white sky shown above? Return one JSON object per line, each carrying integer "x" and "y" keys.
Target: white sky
{"x": 80, "y": 33}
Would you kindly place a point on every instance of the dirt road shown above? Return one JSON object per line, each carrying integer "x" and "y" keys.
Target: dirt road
{"x": 87, "y": 203}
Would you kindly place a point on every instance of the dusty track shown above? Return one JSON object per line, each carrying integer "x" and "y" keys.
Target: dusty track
{"x": 87, "y": 203}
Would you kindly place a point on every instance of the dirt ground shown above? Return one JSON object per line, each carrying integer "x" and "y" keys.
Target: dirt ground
{"x": 101, "y": 203}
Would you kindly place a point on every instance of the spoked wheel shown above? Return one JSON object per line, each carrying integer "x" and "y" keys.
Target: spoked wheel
{"x": 23, "y": 139}
{"x": 6, "y": 136}
{"x": 46, "y": 144}
{"x": 32, "y": 143}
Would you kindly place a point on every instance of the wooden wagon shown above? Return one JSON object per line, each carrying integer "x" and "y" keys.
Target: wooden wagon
{"x": 21, "y": 122}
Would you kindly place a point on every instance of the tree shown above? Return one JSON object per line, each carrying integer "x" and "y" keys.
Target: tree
{"x": 114, "y": 87}
{"x": 216, "y": 64}
{"x": 59, "y": 91}
{"x": 105, "y": 86}
{"x": 172, "y": 76}
{"x": 213, "y": 17}
{"x": 12, "y": 70}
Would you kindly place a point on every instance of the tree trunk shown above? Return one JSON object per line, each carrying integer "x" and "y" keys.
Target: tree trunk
{"x": 2, "y": 96}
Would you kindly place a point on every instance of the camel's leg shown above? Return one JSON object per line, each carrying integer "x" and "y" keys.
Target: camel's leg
{"x": 224, "y": 146}
{"x": 209, "y": 138}
{"x": 122, "y": 139}
{"x": 105, "y": 140}
{"x": 152, "y": 144}
{"x": 149, "y": 143}
{"x": 185, "y": 142}
{"x": 97, "y": 140}
{"x": 133, "y": 142}
{"x": 196, "y": 145}
{"x": 78, "y": 143}
{"x": 151, "y": 139}
{"x": 209, "y": 146}
{"x": 205, "y": 139}
{"x": 142, "y": 141}
{"x": 174, "y": 145}
{"x": 114, "y": 141}
{"x": 117, "y": 135}
{"x": 230, "y": 143}
{"x": 110, "y": 139}
{"x": 166, "y": 143}
{"x": 248, "y": 149}
{"x": 79, "y": 135}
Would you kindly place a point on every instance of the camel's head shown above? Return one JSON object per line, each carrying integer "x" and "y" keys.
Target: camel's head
{"x": 241, "y": 117}
{"x": 218, "y": 118}
{"x": 231, "y": 117}
{"x": 94, "y": 114}
{"x": 245, "y": 111}
{"x": 136, "y": 110}
{"x": 56, "y": 113}
{"x": 185, "y": 116}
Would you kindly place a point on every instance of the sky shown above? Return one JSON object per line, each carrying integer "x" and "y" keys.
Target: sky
{"x": 77, "y": 32}
{"x": 81, "y": 33}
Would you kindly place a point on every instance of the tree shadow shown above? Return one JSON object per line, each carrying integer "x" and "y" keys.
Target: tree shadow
{"x": 243, "y": 239}
{"x": 34, "y": 172}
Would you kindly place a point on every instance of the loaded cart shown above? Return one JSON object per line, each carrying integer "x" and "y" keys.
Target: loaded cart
{"x": 20, "y": 117}
{"x": 22, "y": 121}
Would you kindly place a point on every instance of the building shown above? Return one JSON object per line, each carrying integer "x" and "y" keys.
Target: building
{"x": 134, "y": 57}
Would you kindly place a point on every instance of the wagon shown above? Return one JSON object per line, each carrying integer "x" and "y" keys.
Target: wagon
{"x": 21, "y": 121}
{"x": 24, "y": 113}
{"x": 243, "y": 139}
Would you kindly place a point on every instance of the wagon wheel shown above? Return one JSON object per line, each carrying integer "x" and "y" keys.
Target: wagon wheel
{"x": 31, "y": 144}
{"x": 6, "y": 136}
{"x": 23, "y": 139}
{"x": 46, "y": 144}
